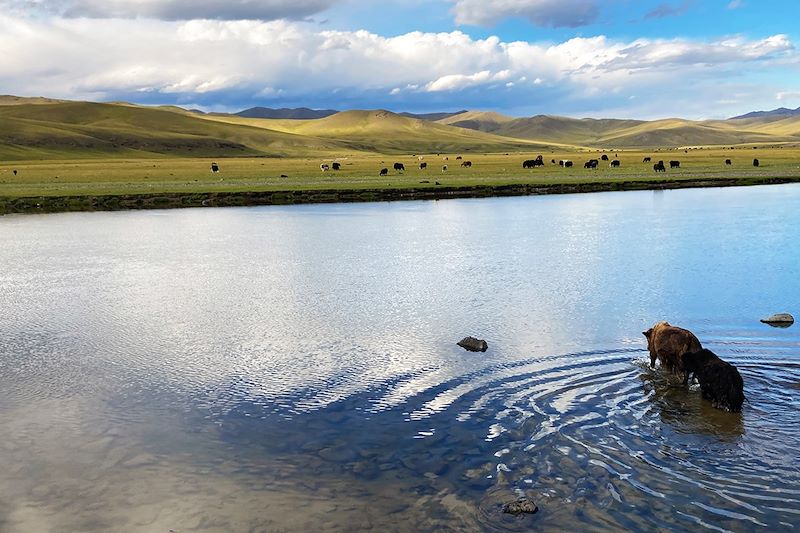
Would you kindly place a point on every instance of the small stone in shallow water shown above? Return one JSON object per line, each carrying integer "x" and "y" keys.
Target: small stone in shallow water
{"x": 473, "y": 345}
{"x": 780, "y": 319}
{"x": 521, "y": 506}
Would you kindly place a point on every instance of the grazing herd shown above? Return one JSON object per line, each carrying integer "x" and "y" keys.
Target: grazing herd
{"x": 528, "y": 164}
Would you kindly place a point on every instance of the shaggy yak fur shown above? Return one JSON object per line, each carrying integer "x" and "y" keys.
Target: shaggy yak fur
{"x": 668, "y": 344}
{"x": 720, "y": 382}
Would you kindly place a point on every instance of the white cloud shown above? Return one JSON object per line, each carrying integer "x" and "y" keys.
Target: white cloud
{"x": 736, "y": 4}
{"x": 455, "y": 82}
{"x": 788, "y": 95}
{"x": 234, "y": 61}
{"x": 173, "y": 9}
{"x": 546, "y": 13}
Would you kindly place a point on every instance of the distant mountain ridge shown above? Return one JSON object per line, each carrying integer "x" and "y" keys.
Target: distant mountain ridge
{"x": 299, "y": 113}
{"x": 780, "y": 112}
{"x": 433, "y": 117}
{"x": 304, "y": 113}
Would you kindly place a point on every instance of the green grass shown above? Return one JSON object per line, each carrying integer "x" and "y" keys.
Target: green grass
{"x": 191, "y": 175}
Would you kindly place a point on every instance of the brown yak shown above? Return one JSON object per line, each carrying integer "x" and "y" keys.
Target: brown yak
{"x": 668, "y": 344}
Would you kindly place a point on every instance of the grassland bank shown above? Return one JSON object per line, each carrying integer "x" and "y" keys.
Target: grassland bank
{"x": 108, "y": 184}
{"x": 52, "y": 204}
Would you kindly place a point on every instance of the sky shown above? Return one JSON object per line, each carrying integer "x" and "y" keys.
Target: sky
{"x": 641, "y": 59}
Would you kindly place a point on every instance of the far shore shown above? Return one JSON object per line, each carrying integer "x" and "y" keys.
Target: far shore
{"x": 170, "y": 200}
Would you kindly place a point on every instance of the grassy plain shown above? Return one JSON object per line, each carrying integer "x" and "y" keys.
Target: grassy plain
{"x": 117, "y": 176}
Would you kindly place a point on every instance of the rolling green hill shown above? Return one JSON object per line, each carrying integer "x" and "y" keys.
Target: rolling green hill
{"x": 80, "y": 129}
{"x": 58, "y": 129}
{"x": 40, "y": 128}
{"x": 387, "y": 132}
{"x": 613, "y": 133}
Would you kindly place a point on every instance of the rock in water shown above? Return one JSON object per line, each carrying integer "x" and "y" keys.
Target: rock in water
{"x": 473, "y": 345}
{"x": 521, "y": 506}
{"x": 781, "y": 319}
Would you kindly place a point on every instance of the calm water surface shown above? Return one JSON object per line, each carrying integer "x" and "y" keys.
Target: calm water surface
{"x": 295, "y": 369}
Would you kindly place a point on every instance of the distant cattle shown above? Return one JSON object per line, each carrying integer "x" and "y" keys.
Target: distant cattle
{"x": 646, "y": 160}
{"x": 444, "y": 169}
{"x": 615, "y": 163}
{"x": 728, "y": 162}
{"x": 324, "y": 167}
{"x": 466, "y": 164}
{"x": 423, "y": 166}
{"x": 15, "y": 171}
{"x": 604, "y": 157}
{"x": 566, "y": 163}
{"x": 756, "y": 162}
{"x": 529, "y": 163}
{"x": 384, "y": 171}
{"x": 284, "y": 176}
{"x": 553, "y": 161}
{"x": 400, "y": 167}
{"x": 336, "y": 166}
{"x": 659, "y": 167}
{"x": 592, "y": 163}
{"x": 674, "y": 164}
{"x": 214, "y": 168}
{"x": 458, "y": 157}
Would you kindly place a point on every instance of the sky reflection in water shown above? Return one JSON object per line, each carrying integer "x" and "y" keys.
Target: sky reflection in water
{"x": 290, "y": 367}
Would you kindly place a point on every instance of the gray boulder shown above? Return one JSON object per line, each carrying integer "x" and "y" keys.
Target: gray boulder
{"x": 473, "y": 345}
{"x": 781, "y": 320}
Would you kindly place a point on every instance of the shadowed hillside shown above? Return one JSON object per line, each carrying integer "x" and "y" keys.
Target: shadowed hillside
{"x": 80, "y": 129}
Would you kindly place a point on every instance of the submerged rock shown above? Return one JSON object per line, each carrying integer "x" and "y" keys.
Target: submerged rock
{"x": 473, "y": 345}
{"x": 780, "y": 320}
{"x": 521, "y": 506}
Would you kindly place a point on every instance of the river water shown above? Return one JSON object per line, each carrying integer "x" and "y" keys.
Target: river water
{"x": 295, "y": 368}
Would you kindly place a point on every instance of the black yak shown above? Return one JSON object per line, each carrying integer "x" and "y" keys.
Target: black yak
{"x": 720, "y": 382}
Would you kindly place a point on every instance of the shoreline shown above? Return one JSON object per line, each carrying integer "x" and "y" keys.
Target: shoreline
{"x": 88, "y": 203}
